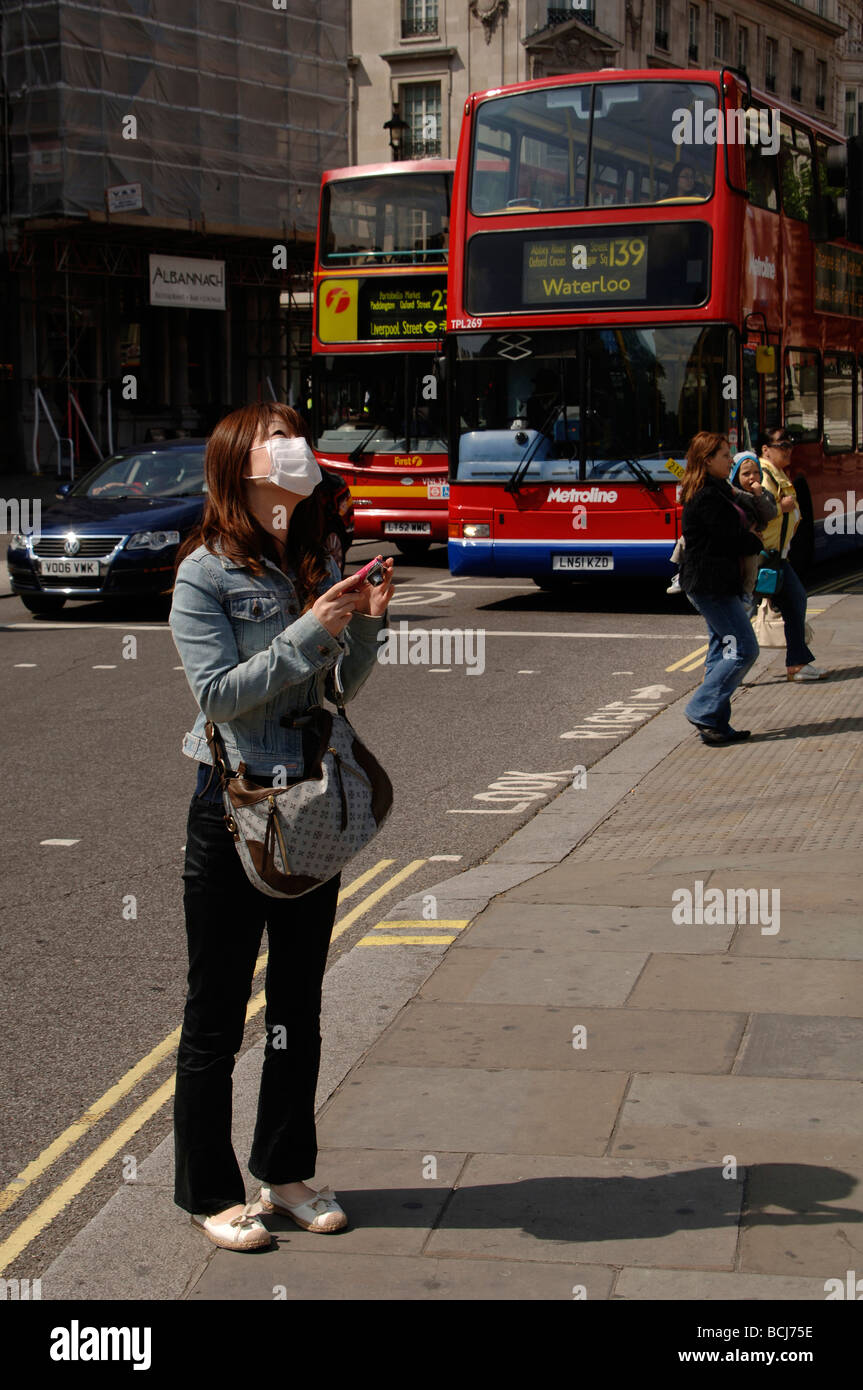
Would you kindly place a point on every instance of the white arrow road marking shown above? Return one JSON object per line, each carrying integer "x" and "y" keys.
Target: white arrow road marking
{"x": 652, "y": 692}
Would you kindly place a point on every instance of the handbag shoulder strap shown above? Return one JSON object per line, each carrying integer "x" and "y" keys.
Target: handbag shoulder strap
{"x": 218, "y": 751}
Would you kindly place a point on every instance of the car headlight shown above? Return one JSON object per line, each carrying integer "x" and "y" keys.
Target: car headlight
{"x": 18, "y": 541}
{"x": 153, "y": 540}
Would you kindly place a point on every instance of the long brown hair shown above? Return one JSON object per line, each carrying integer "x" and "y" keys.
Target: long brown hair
{"x": 702, "y": 447}
{"x": 226, "y": 517}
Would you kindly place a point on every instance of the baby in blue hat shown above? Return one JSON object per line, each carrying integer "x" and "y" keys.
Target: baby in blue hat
{"x": 759, "y": 507}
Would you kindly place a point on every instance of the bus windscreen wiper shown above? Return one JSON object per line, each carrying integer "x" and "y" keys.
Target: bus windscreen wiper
{"x": 639, "y": 472}
{"x": 356, "y": 453}
{"x": 530, "y": 452}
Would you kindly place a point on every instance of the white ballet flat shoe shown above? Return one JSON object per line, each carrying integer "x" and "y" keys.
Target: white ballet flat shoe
{"x": 321, "y": 1213}
{"x": 243, "y": 1232}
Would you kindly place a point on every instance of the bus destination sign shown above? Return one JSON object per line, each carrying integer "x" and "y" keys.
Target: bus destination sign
{"x": 585, "y": 270}
{"x": 838, "y": 280}
{"x": 382, "y": 308}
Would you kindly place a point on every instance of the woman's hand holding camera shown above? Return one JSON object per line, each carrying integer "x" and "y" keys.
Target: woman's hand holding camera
{"x": 335, "y": 608}
{"x": 373, "y": 600}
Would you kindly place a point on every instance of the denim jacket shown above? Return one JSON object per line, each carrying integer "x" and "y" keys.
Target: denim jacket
{"x": 250, "y": 659}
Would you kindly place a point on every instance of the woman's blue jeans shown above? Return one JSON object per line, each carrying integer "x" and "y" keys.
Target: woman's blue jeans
{"x": 732, "y": 651}
{"x": 791, "y": 602}
{"x": 225, "y": 919}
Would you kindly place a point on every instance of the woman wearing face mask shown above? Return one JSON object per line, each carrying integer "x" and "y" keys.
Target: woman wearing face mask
{"x": 260, "y": 619}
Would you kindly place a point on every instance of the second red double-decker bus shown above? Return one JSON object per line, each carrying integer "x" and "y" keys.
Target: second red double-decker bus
{"x": 380, "y": 318}
{"x": 638, "y": 256}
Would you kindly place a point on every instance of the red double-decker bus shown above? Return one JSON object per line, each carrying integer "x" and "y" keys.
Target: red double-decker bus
{"x": 622, "y": 278}
{"x": 379, "y": 323}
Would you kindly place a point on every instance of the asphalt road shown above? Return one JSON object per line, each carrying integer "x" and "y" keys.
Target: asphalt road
{"x": 95, "y": 708}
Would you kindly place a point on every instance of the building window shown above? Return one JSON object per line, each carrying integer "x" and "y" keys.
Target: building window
{"x": 694, "y": 27}
{"x": 770, "y": 56}
{"x": 850, "y": 111}
{"x": 420, "y": 103}
{"x": 820, "y": 84}
{"x": 583, "y": 10}
{"x": 796, "y": 74}
{"x": 660, "y": 34}
{"x": 418, "y": 17}
{"x": 742, "y": 48}
{"x": 720, "y": 37}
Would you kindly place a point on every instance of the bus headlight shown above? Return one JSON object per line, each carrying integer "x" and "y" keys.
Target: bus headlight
{"x": 476, "y": 530}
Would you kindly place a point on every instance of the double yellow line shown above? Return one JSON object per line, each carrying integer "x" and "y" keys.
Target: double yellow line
{"x": 696, "y": 658}
{"x": 45, "y": 1213}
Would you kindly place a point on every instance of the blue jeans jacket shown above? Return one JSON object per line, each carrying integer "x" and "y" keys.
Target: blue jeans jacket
{"x": 251, "y": 659}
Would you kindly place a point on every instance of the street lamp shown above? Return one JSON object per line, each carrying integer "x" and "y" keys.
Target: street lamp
{"x": 396, "y": 128}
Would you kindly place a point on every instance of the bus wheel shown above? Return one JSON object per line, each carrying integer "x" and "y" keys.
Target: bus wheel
{"x": 413, "y": 548}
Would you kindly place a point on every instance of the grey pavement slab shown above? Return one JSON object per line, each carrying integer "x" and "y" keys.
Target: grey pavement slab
{"x": 697, "y": 1285}
{"x": 314, "y": 1276}
{"x": 803, "y": 1219}
{"x": 535, "y": 976}
{"x": 578, "y": 880}
{"x": 465, "y": 1109}
{"x": 753, "y": 1119}
{"x": 800, "y": 1045}
{"x": 506, "y": 1035}
{"x": 560, "y": 928}
{"x": 392, "y": 1199}
{"x": 139, "y": 1246}
{"x": 814, "y": 935}
{"x": 757, "y": 984}
{"x": 592, "y": 1211}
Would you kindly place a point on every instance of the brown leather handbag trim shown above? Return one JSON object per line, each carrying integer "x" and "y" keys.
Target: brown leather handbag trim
{"x": 382, "y": 787}
{"x": 291, "y": 884}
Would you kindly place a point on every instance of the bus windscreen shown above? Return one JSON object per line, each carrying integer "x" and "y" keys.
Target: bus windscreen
{"x": 611, "y": 144}
{"x": 380, "y": 220}
{"x": 555, "y": 407}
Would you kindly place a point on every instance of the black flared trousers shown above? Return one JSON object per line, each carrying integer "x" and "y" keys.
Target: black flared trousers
{"x": 225, "y": 919}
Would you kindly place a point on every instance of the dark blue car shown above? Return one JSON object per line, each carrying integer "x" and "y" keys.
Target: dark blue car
{"x": 114, "y": 533}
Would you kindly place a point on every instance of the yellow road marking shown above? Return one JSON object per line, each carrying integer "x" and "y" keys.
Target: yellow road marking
{"x": 366, "y": 903}
{"x": 74, "y": 1132}
{"x": 363, "y": 879}
{"x": 699, "y": 652}
{"x": 53, "y": 1204}
{"x": 100, "y": 1108}
{"x": 405, "y": 940}
{"x": 437, "y": 923}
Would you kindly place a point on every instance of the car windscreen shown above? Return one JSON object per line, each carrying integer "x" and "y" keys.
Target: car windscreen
{"x": 149, "y": 473}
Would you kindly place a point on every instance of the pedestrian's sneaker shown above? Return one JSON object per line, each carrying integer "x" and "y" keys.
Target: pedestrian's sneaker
{"x": 806, "y": 673}
{"x": 321, "y": 1213}
{"x": 674, "y": 586}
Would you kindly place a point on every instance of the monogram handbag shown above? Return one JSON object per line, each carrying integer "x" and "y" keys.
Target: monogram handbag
{"x": 293, "y": 838}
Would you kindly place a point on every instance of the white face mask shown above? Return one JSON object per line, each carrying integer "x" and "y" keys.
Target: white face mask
{"x": 293, "y": 466}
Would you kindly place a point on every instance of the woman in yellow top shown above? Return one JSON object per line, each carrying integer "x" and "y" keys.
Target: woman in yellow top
{"x": 775, "y": 448}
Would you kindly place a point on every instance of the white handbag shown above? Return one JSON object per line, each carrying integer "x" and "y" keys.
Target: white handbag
{"x": 769, "y": 627}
